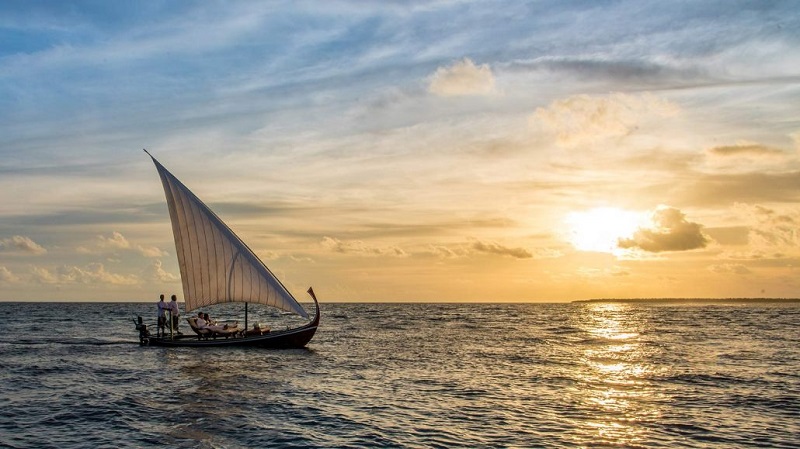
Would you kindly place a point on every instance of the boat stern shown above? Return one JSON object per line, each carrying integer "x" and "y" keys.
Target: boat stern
{"x": 144, "y": 334}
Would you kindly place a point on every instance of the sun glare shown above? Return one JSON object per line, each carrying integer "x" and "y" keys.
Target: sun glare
{"x": 600, "y": 229}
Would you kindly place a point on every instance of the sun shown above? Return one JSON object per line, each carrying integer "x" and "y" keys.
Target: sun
{"x": 600, "y": 229}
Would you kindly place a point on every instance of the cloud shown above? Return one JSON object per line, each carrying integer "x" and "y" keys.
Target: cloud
{"x": 43, "y": 275}
{"x": 494, "y": 248}
{"x": 150, "y": 251}
{"x": 726, "y": 189}
{"x": 476, "y": 247}
{"x": 118, "y": 241}
{"x": 748, "y": 157}
{"x": 359, "y": 247}
{"x": 730, "y": 235}
{"x": 629, "y": 71}
{"x": 772, "y": 233}
{"x": 583, "y": 118}
{"x": 464, "y": 249}
{"x": 670, "y": 232}
{"x": 7, "y": 276}
{"x": 730, "y": 268}
{"x": 771, "y": 228}
{"x": 93, "y": 273}
{"x": 462, "y": 78}
{"x": 155, "y": 272}
{"x": 445, "y": 252}
{"x": 745, "y": 149}
{"x": 591, "y": 273}
{"x": 21, "y": 244}
{"x": 796, "y": 139}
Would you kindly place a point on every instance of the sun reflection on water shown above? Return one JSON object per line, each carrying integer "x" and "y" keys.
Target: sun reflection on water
{"x": 615, "y": 383}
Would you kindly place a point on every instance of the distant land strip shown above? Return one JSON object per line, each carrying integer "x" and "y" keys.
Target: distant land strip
{"x": 691, "y": 300}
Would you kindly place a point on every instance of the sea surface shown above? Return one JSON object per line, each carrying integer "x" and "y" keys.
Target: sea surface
{"x": 411, "y": 375}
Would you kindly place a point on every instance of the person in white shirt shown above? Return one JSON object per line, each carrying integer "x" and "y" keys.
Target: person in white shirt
{"x": 162, "y": 316}
{"x": 199, "y": 321}
{"x": 204, "y": 324}
{"x": 173, "y": 307}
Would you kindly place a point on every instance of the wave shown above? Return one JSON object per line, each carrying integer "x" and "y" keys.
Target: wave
{"x": 39, "y": 342}
{"x": 415, "y": 376}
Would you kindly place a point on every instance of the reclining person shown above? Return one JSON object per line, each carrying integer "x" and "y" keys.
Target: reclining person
{"x": 202, "y": 323}
{"x": 208, "y": 319}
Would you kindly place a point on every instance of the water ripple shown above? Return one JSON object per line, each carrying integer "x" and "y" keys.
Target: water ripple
{"x": 414, "y": 375}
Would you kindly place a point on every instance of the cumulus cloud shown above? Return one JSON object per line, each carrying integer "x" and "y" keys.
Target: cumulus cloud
{"x": 22, "y": 244}
{"x": 584, "y": 118}
{"x": 43, "y": 275}
{"x": 770, "y": 228}
{"x": 7, "y": 276}
{"x": 494, "y": 248}
{"x": 670, "y": 231}
{"x": 118, "y": 241}
{"x": 150, "y": 251}
{"x": 155, "y": 272}
{"x": 445, "y": 252}
{"x": 462, "y": 78}
{"x": 93, "y": 273}
{"x": 359, "y": 247}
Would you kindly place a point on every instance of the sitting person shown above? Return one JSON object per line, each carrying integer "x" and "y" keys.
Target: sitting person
{"x": 258, "y": 329}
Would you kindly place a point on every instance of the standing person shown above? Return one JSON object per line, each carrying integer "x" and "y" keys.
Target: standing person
{"x": 173, "y": 307}
{"x": 162, "y": 316}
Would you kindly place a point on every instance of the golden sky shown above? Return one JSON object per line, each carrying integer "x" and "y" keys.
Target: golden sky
{"x": 431, "y": 151}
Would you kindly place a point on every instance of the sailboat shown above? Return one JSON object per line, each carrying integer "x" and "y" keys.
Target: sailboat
{"x": 218, "y": 267}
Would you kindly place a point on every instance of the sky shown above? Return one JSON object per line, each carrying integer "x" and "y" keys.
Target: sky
{"x": 406, "y": 151}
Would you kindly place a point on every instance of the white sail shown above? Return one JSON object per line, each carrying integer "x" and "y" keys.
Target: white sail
{"x": 216, "y": 266}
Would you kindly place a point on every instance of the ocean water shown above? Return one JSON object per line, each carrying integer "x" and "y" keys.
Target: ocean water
{"x": 412, "y": 375}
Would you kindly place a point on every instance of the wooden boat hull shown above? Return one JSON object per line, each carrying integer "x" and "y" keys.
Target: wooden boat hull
{"x": 293, "y": 338}
{"x": 287, "y": 339}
